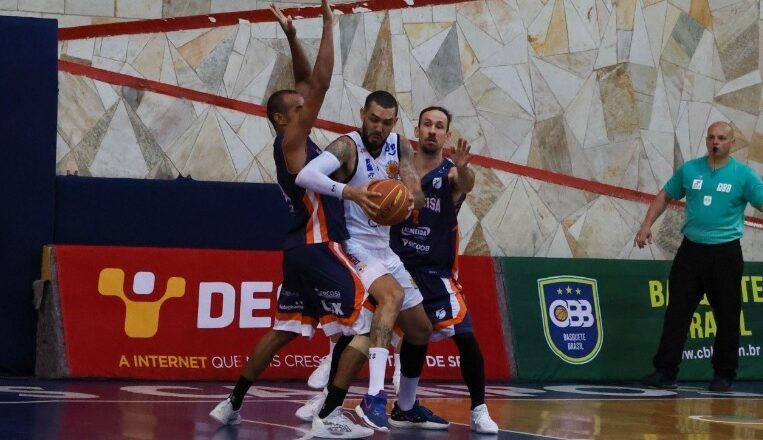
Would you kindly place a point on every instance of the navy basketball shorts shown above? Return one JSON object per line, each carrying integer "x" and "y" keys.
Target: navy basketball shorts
{"x": 321, "y": 286}
{"x": 444, "y": 304}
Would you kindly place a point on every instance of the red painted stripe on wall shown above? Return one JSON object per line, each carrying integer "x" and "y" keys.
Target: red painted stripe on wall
{"x": 334, "y": 127}
{"x": 230, "y": 18}
{"x": 584, "y": 184}
{"x": 122, "y": 79}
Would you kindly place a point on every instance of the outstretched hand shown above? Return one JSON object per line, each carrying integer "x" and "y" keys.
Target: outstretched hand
{"x": 285, "y": 21}
{"x": 460, "y": 155}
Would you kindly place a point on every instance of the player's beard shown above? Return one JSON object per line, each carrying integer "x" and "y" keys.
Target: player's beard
{"x": 429, "y": 147}
{"x": 372, "y": 146}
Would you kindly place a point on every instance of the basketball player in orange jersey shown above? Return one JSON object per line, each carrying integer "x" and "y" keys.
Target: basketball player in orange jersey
{"x": 353, "y": 161}
{"x": 315, "y": 267}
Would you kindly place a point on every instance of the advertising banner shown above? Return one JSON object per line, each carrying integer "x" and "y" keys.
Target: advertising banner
{"x": 585, "y": 319}
{"x": 160, "y": 313}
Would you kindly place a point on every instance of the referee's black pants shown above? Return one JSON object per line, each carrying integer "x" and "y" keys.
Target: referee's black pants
{"x": 717, "y": 271}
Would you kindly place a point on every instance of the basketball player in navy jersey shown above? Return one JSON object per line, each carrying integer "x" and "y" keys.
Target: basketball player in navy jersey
{"x": 314, "y": 265}
{"x": 427, "y": 243}
{"x": 344, "y": 171}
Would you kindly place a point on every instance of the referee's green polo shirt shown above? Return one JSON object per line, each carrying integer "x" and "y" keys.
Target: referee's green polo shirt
{"x": 715, "y": 200}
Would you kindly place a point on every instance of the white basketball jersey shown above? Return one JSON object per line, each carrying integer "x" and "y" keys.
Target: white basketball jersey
{"x": 362, "y": 229}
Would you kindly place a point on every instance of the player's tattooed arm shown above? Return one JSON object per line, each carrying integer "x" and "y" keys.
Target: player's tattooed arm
{"x": 324, "y": 173}
{"x": 345, "y": 151}
{"x": 408, "y": 173}
{"x": 343, "y": 148}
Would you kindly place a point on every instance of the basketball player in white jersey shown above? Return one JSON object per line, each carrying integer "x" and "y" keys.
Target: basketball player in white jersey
{"x": 344, "y": 171}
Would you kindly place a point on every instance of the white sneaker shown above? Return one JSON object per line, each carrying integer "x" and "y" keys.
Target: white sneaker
{"x": 481, "y": 421}
{"x": 225, "y": 414}
{"x": 320, "y": 377}
{"x": 311, "y": 407}
{"x": 337, "y": 425}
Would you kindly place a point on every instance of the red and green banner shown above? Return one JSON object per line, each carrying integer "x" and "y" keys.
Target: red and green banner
{"x": 159, "y": 313}
{"x": 585, "y": 319}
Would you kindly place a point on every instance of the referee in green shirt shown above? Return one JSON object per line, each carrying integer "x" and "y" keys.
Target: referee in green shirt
{"x": 717, "y": 189}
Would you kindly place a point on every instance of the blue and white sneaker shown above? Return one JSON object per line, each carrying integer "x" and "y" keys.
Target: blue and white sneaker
{"x": 417, "y": 417}
{"x": 373, "y": 411}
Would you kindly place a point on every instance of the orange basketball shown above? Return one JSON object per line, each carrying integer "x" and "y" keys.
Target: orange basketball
{"x": 393, "y": 203}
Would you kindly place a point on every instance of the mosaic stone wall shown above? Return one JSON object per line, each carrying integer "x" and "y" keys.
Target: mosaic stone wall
{"x": 613, "y": 92}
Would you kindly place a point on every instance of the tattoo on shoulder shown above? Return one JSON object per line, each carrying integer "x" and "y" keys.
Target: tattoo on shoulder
{"x": 406, "y": 150}
{"x": 342, "y": 147}
{"x": 407, "y": 169}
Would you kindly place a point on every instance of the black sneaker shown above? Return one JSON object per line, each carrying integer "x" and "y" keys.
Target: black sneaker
{"x": 417, "y": 417}
{"x": 660, "y": 381}
{"x": 720, "y": 383}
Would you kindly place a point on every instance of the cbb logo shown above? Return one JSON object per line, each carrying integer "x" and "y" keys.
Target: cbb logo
{"x": 571, "y": 313}
{"x": 141, "y": 317}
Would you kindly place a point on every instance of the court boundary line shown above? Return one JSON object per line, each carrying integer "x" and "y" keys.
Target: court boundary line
{"x": 517, "y": 432}
{"x": 297, "y": 401}
{"x": 725, "y": 422}
{"x": 301, "y": 430}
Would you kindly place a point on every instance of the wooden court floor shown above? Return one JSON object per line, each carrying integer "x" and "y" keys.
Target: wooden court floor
{"x": 94, "y": 409}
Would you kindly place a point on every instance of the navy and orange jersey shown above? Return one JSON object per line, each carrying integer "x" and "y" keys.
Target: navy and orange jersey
{"x": 318, "y": 219}
{"x": 428, "y": 240}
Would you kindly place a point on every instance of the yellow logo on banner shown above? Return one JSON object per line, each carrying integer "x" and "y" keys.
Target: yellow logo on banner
{"x": 141, "y": 317}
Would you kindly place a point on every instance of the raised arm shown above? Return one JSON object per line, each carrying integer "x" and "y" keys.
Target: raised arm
{"x": 461, "y": 176}
{"x": 299, "y": 61}
{"x": 324, "y": 61}
{"x": 408, "y": 173}
{"x": 313, "y": 91}
{"x": 656, "y": 208}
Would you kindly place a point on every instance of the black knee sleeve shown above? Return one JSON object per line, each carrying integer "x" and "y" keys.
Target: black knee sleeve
{"x": 341, "y": 344}
{"x": 472, "y": 366}
{"x": 412, "y": 359}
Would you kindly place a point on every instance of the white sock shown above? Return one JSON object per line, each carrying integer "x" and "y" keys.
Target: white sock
{"x": 397, "y": 363}
{"x": 332, "y": 344}
{"x": 377, "y": 365}
{"x": 406, "y": 397}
